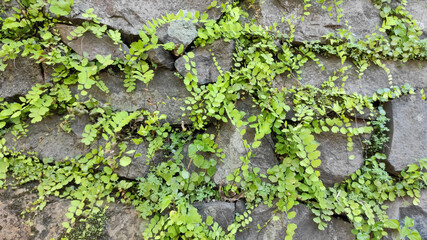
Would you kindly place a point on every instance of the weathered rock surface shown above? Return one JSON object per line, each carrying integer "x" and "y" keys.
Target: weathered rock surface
{"x": 49, "y": 140}
{"x": 307, "y": 229}
{"x": 336, "y": 165}
{"x": 122, "y": 222}
{"x": 7, "y": 9}
{"x": 19, "y": 77}
{"x": 90, "y": 45}
{"x": 207, "y": 72}
{"x": 12, "y": 203}
{"x": 140, "y": 164}
{"x": 221, "y": 212}
{"x": 179, "y": 32}
{"x": 362, "y": 16}
{"x": 165, "y": 93}
{"x": 233, "y": 147}
{"x": 417, "y": 8}
{"x": 161, "y": 57}
{"x": 403, "y": 207}
{"x": 129, "y": 16}
{"x": 408, "y": 132}
{"x": 373, "y": 78}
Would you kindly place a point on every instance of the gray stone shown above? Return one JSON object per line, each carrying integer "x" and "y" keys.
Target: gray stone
{"x": 48, "y": 140}
{"x": 221, "y": 212}
{"x": 362, "y": 16}
{"x": 408, "y": 132}
{"x": 129, "y": 16}
{"x": 161, "y": 57}
{"x": 179, "y": 32}
{"x": 230, "y": 140}
{"x": 403, "y": 207}
{"x": 373, "y": 78}
{"x": 207, "y": 72}
{"x": 90, "y": 44}
{"x": 12, "y": 202}
{"x": 306, "y": 228}
{"x": 140, "y": 165}
{"x": 124, "y": 223}
{"x": 336, "y": 165}
{"x": 20, "y": 75}
{"x": 165, "y": 93}
{"x": 48, "y": 224}
{"x": 416, "y": 8}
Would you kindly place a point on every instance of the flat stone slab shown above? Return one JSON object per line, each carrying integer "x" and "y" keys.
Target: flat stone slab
{"x": 129, "y": 16}
{"x": 306, "y": 228}
{"x": 90, "y": 45}
{"x": 165, "y": 93}
{"x": 207, "y": 71}
{"x": 408, "y": 132}
{"x": 361, "y": 15}
{"x": 20, "y": 75}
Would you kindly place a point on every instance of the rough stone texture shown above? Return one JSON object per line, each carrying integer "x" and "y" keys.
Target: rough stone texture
{"x": 49, "y": 140}
{"x": 124, "y": 223}
{"x": 129, "y": 16}
{"x": 19, "y": 76}
{"x": 7, "y": 8}
{"x": 408, "y": 132}
{"x": 161, "y": 57}
{"x": 374, "y": 78}
{"x": 403, "y": 207}
{"x": 48, "y": 223}
{"x": 336, "y": 165}
{"x": 12, "y": 203}
{"x": 90, "y": 44}
{"x": 165, "y": 93}
{"x": 139, "y": 166}
{"x": 221, "y": 212}
{"x": 417, "y": 8}
{"x": 307, "y": 229}
{"x": 361, "y": 15}
{"x": 207, "y": 72}
{"x": 231, "y": 142}
{"x": 179, "y": 32}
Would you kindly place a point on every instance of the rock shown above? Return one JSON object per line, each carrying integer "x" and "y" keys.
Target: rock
{"x": 362, "y": 16}
{"x": 336, "y": 165}
{"x": 221, "y": 212}
{"x": 7, "y": 9}
{"x": 12, "y": 202}
{"x": 230, "y": 140}
{"x": 417, "y": 9}
{"x": 306, "y": 228}
{"x": 89, "y": 45}
{"x": 207, "y": 71}
{"x": 48, "y": 223}
{"x": 124, "y": 223}
{"x": 179, "y": 32}
{"x": 165, "y": 93}
{"x": 48, "y": 140}
{"x": 403, "y": 207}
{"x": 20, "y": 75}
{"x": 140, "y": 165}
{"x": 129, "y": 16}
{"x": 408, "y": 132}
{"x": 161, "y": 57}
{"x": 373, "y": 78}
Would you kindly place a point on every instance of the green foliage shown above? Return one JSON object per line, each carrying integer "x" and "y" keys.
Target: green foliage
{"x": 293, "y": 115}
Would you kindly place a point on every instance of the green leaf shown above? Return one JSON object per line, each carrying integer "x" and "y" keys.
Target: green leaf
{"x": 391, "y": 223}
{"x": 209, "y": 220}
{"x": 61, "y": 7}
{"x": 256, "y": 144}
{"x": 316, "y": 163}
{"x": 125, "y": 161}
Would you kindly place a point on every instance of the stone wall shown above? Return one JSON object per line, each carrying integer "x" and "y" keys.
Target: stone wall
{"x": 167, "y": 92}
